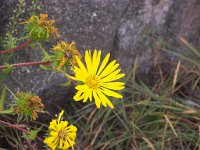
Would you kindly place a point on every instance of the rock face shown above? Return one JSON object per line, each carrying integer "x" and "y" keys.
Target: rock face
{"x": 117, "y": 26}
{"x": 120, "y": 27}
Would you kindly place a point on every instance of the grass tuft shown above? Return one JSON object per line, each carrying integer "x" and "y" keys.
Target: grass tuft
{"x": 160, "y": 112}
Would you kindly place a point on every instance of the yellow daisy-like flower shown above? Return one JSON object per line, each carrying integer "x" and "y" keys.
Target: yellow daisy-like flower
{"x": 66, "y": 53}
{"x": 61, "y": 135}
{"x": 97, "y": 81}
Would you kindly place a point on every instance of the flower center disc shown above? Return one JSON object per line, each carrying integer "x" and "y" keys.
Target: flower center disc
{"x": 93, "y": 82}
{"x": 61, "y": 134}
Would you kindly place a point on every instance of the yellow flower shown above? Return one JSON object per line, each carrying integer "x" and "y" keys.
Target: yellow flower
{"x": 97, "y": 80}
{"x": 66, "y": 53}
{"x": 41, "y": 28}
{"x": 61, "y": 135}
{"x": 31, "y": 20}
{"x": 48, "y": 25}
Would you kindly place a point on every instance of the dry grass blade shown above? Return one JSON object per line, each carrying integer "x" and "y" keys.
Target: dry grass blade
{"x": 171, "y": 126}
{"x": 176, "y": 74}
{"x": 134, "y": 70}
{"x": 190, "y": 111}
{"x": 150, "y": 145}
{"x": 189, "y": 46}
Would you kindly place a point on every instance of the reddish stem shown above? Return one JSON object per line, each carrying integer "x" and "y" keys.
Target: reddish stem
{"x": 33, "y": 64}
{"x": 17, "y": 47}
{"x": 16, "y": 127}
{"x": 27, "y": 64}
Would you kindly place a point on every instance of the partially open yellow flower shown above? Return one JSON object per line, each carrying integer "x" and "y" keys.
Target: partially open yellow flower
{"x": 66, "y": 53}
{"x": 97, "y": 80}
{"x": 61, "y": 134}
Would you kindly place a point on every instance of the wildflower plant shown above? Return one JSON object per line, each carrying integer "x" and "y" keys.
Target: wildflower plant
{"x": 94, "y": 80}
{"x": 155, "y": 112}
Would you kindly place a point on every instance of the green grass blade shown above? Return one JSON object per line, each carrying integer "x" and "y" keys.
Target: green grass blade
{"x": 2, "y": 101}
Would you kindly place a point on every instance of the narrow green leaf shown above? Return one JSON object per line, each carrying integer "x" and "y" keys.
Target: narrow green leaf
{"x": 12, "y": 94}
{"x": 7, "y": 69}
{"x": 65, "y": 84}
{"x": 7, "y": 111}
{"x": 32, "y": 134}
{"x": 3, "y": 94}
{"x": 43, "y": 50}
{"x": 45, "y": 67}
{"x": 10, "y": 41}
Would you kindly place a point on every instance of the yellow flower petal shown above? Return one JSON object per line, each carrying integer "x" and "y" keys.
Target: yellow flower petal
{"x": 80, "y": 74}
{"x": 105, "y": 99}
{"x": 81, "y": 66}
{"x": 109, "y": 69}
{"x": 53, "y": 125}
{"x": 71, "y": 77}
{"x": 113, "y": 85}
{"x": 97, "y": 100}
{"x": 111, "y": 93}
{"x": 71, "y": 128}
{"x": 88, "y": 61}
{"x": 52, "y": 142}
{"x": 71, "y": 142}
{"x": 53, "y": 133}
{"x": 78, "y": 96}
{"x": 101, "y": 98}
{"x": 66, "y": 145}
{"x": 63, "y": 124}
{"x": 95, "y": 60}
{"x": 62, "y": 63}
{"x": 104, "y": 63}
{"x": 60, "y": 115}
{"x": 86, "y": 94}
{"x": 113, "y": 77}
{"x": 61, "y": 144}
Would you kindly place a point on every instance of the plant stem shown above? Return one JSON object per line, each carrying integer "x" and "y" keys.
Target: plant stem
{"x": 33, "y": 64}
{"x": 27, "y": 64}
{"x": 22, "y": 45}
{"x": 18, "y": 128}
